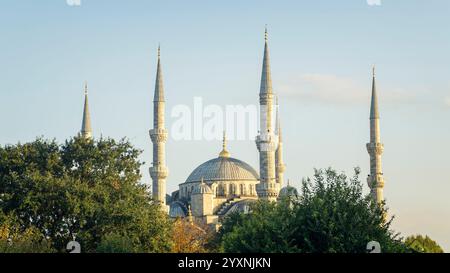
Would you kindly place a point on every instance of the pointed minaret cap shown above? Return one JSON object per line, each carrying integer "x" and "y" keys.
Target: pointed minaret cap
{"x": 159, "y": 86}
{"x": 374, "y": 114}
{"x": 86, "y": 130}
{"x": 266, "y": 78}
{"x": 224, "y": 152}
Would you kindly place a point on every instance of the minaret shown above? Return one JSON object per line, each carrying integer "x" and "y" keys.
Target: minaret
{"x": 86, "y": 130}
{"x": 375, "y": 148}
{"x": 279, "y": 164}
{"x": 158, "y": 135}
{"x": 266, "y": 141}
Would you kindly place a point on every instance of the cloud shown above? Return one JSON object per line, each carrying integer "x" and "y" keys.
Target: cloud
{"x": 447, "y": 101}
{"x": 326, "y": 88}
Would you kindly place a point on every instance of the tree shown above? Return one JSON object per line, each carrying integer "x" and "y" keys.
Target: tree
{"x": 116, "y": 243}
{"x": 15, "y": 240}
{"x": 83, "y": 188}
{"x": 189, "y": 237}
{"x": 332, "y": 215}
{"x": 423, "y": 244}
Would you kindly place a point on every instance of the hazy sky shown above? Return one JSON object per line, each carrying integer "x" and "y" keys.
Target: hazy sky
{"x": 321, "y": 53}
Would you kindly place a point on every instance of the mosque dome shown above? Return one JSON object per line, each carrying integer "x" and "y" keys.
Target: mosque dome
{"x": 223, "y": 168}
{"x": 288, "y": 191}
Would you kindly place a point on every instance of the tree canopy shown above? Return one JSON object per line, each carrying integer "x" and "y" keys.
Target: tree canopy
{"x": 331, "y": 215}
{"x": 88, "y": 189}
{"x": 423, "y": 244}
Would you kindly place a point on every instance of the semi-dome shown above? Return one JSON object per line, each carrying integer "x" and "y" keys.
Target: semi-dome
{"x": 223, "y": 168}
{"x": 177, "y": 209}
{"x": 243, "y": 206}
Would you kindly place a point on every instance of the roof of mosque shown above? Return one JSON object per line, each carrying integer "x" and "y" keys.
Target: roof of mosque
{"x": 223, "y": 169}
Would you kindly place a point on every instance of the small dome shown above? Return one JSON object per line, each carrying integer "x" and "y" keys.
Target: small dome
{"x": 202, "y": 188}
{"x": 288, "y": 191}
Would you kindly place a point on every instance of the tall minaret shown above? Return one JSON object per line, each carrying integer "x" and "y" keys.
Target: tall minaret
{"x": 266, "y": 141}
{"x": 375, "y": 148}
{"x": 86, "y": 130}
{"x": 158, "y": 135}
{"x": 279, "y": 163}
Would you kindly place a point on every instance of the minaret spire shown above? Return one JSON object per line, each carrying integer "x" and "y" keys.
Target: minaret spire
{"x": 375, "y": 148}
{"x": 158, "y": 135}
{"x": 279, "y": 163}
{"x": 224, "y": 152}
{"x": 266, "y": 141}
{"x": 86, "y": 130}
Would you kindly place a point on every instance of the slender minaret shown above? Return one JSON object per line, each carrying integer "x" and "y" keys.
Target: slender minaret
{"x": 158, "y": 135}
{"x": 375, "y": 148}
{"x": 266, "y": 141}
{"x": 86, "y": 130}
{"x": 279, "y": 163}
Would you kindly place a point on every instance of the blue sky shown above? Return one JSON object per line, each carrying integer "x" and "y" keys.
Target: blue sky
{"x": 321, "y": 53}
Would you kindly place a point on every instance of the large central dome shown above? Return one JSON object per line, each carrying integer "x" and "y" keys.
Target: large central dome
{"x": 223, "y": 169}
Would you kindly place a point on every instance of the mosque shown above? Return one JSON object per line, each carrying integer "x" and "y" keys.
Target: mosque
{"x": 225, "y": 184}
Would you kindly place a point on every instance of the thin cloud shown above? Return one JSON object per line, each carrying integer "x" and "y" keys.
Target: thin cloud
{"x": 447, "y": 101}
{"x": 326, "y": 88}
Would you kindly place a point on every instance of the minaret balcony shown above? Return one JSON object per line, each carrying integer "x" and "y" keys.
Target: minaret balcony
{"x": 376, "y": 148}
{"x": 158, "y": 135}
{"x": 376, "y": 181}
{"x": 281, "y": 168}
{"x": 159, "y": 172}
{"x": 267, "y": 137}
{"x": 264, "y": 98}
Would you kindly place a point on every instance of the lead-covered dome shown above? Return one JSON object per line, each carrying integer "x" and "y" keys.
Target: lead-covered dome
{"x": 223, "y": 168}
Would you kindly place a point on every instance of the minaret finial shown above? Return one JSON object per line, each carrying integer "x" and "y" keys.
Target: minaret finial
{"x": 224, "y": 140}
{"x": 85, "y": 87}
{"x": 159, "y": 50}
{"x": 266, "y": 34}
{"x": 224, "y": 152}
{"x": 373, "y": 70}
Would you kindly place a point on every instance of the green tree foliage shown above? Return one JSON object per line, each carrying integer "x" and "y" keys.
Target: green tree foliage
{"x": 116, "y": 243}
{"x": 423, "y": 244}
{"x": 15, "y": 240}
{"x": 82, "y": 188}
{"x": 332, "y": 215}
